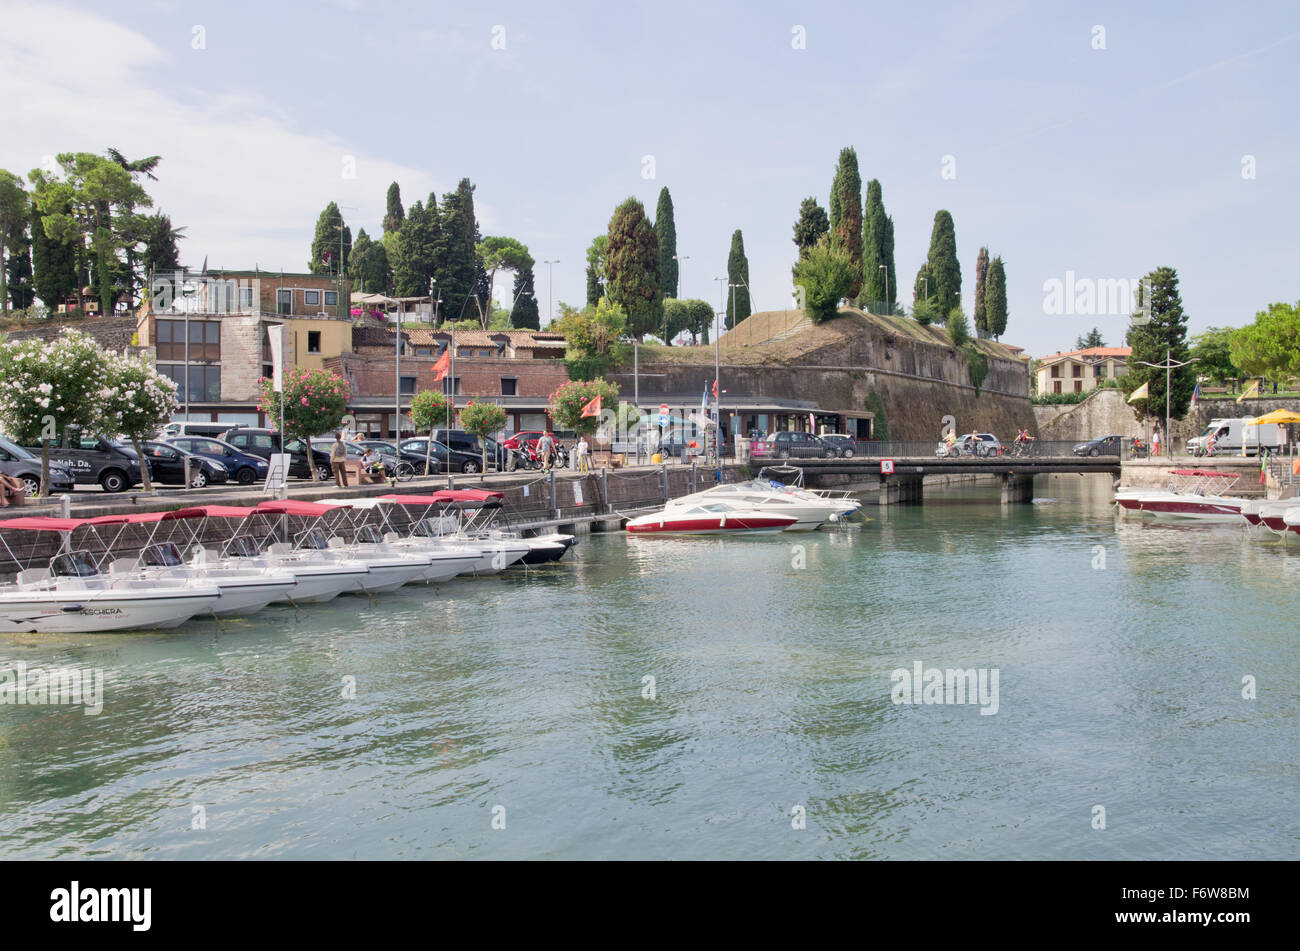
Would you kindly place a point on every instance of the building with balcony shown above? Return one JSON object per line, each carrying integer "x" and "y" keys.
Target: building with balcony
{"x": 1081, "y": 371}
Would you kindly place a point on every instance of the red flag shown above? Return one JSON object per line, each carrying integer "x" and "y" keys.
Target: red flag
{"x": 715, "y": 388}
{"x": 592, "y": 408}
{"x": 443, "y": 366}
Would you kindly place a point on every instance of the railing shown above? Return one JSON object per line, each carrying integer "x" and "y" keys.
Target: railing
{"x": 1038, "y": 448}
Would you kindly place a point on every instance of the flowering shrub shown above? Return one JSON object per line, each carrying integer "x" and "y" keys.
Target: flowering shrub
{"x": 139, "y": 404}
{"x": 428, "y": 411}
{"x": 49, "y": 385}
{"x": 314, "y": 403}
{"x": 569, "y": 398}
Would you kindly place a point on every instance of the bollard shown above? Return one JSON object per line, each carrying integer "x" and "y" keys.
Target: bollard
{"x": 555, "y": 509}
{"x": 663, "y": 473}
{"x": 693, "y": 475}
{"x": 65, "y": 505}
{"x": 604, "y": 489}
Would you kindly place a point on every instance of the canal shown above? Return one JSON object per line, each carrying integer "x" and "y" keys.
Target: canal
{"x": 710, "y": 698}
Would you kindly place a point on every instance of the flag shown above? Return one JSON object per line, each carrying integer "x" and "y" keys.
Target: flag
{"x": 1253, "y": 390}
{"x": 443, "y": 366}
{"x": 715, "y": 388}
{"x": 1196, "y": 394}
{"x": 592, "y": 408}
{"x": 1263, "y": 467}
{"x": 275, "y": 338}
{"x": 1139, "y": 394}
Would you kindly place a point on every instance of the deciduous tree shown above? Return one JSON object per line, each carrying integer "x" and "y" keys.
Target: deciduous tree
{"x": 825, "y": 275}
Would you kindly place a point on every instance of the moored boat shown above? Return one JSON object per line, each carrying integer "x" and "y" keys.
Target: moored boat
{"x": 709, "y": 518}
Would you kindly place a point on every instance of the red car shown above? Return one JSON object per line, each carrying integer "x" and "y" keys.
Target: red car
{"x": 529, "y": 436}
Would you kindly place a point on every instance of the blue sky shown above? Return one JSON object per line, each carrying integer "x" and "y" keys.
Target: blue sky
{"x": 1101, "y": 162}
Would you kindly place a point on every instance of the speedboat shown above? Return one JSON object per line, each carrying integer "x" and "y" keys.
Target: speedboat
{"x": 71, "y": 596}
{"x": 244, "y": 588}
{"x": 442, "y": 563}
{"x": 389, "y": 568}
{"x": 709, "y": 518}
{"x": 1193, "y": 494}
{"x": 1266, "y": 513}
{"x": 1291, "y": 519}
{"x": 810, "y": 511}
{"x": 459, "y": 510}
{"x": 316, "y": 579}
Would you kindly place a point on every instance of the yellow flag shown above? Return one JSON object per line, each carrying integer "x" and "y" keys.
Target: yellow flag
{"x": 1252, "y": 390}
{"x": 1139, "y": 394}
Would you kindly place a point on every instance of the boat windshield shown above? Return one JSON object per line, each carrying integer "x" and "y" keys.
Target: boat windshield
{"x": 313, "y": 538}
{"x": 76, "y": 564}
{"x": 368, "y": 535}
{"x": 163, "y": 555}
{"x": 243, "y": 546}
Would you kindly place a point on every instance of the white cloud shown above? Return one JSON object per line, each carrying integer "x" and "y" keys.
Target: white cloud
{"x": 245, "y": 180}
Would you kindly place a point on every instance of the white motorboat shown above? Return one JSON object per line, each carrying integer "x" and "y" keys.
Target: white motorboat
{"x": 457, "y": 508}
{"x": 316, "y": 579}
{"x": 1291, "y": 519}
{"x": 710, "y": 518}
{"x": 443, "y": 562}
{"x": 810, "y": 511}
{"x": 1267, "y": 513}
{"x": 71, "y": 596}
{"x": 244, "y": 588}
{"x": 1192, "y": 494}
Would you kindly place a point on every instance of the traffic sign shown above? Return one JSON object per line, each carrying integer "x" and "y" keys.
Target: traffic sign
{"x": 886, "y": 466}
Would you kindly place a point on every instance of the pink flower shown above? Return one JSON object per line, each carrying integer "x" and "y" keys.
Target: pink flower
{"x": 304, "y": 401}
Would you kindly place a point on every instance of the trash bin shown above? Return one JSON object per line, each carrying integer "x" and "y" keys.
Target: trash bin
{"x": 657, "y": 459}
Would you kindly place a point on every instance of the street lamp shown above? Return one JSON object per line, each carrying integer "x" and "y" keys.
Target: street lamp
{"x": 550, "y": 313}
{"x": 1167, "y": 366}
{"x": 722, "y": 306}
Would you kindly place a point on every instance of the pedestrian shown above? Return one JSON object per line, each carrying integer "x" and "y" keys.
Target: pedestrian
{"x": 339, "y": 460}
{"x": 583, "y": 462}
{"x": 1155, "y": 442}
{"x": 544, "y": 449}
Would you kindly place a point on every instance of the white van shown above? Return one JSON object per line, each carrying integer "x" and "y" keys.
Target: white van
{"x": 210, "y": 430}
{"x": 1229, "y": 435}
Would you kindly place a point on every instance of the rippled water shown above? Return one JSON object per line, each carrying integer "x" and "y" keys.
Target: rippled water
{"x": 1119, "y": 687}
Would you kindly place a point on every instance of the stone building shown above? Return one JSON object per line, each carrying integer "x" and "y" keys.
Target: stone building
{"x": 1081, "y": 371}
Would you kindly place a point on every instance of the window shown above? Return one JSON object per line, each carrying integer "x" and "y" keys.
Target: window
{"x": 408, "y": 385}
{"x": 245, "y": 297}
{"x": 205, "y": 380}
{"x": 1098, "y": 370}
{"x": 509, "y": 386}
{"x": 331, "y": 298}
{"x": 205, "y": 340}
{"x": 424, "y": 351}
{"x": 1078, "y": 386}
{"x": 485, "y": 353}
{"x": 313, "y": 339}
{"x": 284, "y": 301}
{"x": 311, "y": 298}
{"x": 1056, "y": 371}
{"x": 1077, "y": 371}
{"x": 451, "y": 387}
{"x": 1056, "y": 387}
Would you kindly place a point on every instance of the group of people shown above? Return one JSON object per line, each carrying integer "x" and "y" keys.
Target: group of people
{"x": 548, "y": 450}
{"x": 372, "y": 463}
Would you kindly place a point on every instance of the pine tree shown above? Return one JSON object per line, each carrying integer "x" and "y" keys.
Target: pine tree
{"x": 1165, "y": 333}
{"x": 161, "y": 253}
{"x": 1092, "y": 338}
{"x": 846, "y": 214}
{"x": 368, "y": 266}
{"x": 666, "y": 232}
{"x": 632, "y": 266}
{"x": 394, "y": 216}
{"x": 995, "y": 299}
{"x": 981, "y": 274}
{"x": 414, "y": 252}
{"x": 525, "y": 316}
{"x": 54, "y": 264}
{"x": 457, "y": 265}
{"x": 879, "y": 278}
{"x": 944, "y": 269}
{"x": 811, "y": 224}
{"x": 739, "y": 305}
{"x": 327, "y": 253}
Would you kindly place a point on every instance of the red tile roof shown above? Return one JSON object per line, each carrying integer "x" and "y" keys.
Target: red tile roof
{"x": 1089, "y": 353}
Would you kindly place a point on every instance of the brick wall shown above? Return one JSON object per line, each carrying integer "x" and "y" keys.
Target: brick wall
{"x": 373, "y": 374}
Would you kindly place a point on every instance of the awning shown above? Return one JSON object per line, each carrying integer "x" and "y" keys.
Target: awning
{"x": 1283, "y": 416}
{"x": 294, "y": 507}
{"x": 43, "y": 523}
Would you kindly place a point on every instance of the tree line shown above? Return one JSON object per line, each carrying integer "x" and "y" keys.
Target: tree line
{"x": 82, "y": 225}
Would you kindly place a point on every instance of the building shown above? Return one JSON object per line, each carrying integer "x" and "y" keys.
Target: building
{"x": 518, "y": 369}
{"x": 1081, "y": 371}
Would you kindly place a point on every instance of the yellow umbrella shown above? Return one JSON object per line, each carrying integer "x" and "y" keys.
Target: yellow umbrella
{"x": 1277, "y": 416}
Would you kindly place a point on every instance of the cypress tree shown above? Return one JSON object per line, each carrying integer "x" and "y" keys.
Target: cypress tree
{"x": 54, "y": 264}
{"x": 995, "y": 299}
{"x": 809, "y": 227}
{"x": 368, "y": 266}
{"x": 525, "y": 316}
{"x": 981, "y": 273}
{"x": 666, "y": 232}
{"x": 879, "y": 287}
{"x": 394, "y": 216}
{"x": 457, "y": 265}
{"x": 1166, "y": 331}
{"x": 632, "y": 266}
{"x": 326, "y": 254}
{"x": 415, "y": 252}
{"x": 944, "y": 269}
{"x": 596, "y": 268}
{"x": 18, "y": 270}
{"x": 846, "y": 214}
{"x": 738, "y": 306}
{"x": 593, "y": 287}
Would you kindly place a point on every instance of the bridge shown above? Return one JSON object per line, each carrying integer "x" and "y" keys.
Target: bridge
{"x": 901, "y": 477}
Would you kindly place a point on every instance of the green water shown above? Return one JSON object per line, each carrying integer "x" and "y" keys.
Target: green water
{"x": 1118, "y": 686}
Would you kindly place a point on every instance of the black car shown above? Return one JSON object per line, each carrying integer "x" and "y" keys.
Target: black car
{"x": 440, "y": 456}
{"x": 17, "y": 463}
{"x": 265, "y": 442}
{"x": 788, "y": 445}
{"x": 167, "y": 466}
{"x": 1101, "y": 446}
{"x": 93, "y": 459}
{"x": 244, "y": 467}
{"x": 845, "y": 446}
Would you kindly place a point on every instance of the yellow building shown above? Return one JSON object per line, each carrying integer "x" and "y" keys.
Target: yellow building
{"x": 1081, "y": 371}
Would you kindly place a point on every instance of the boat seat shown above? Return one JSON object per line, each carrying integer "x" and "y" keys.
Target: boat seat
{"x": 122, "y": 566}
{"x": 33, "y": 576}
{"x": 336, "y": 542}
{"x": 280, "y": 548}
{"x": 391, "y": 537}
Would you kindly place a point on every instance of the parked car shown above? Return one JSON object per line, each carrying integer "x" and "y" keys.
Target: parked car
{"x": 1101, "y": 446}
{"x": 244, "y": 467}
{"x": 440, "y": 456}
{"x": 526, "y": 437}
{"x": 212, "y": 430}
{"x": 798, "y": 445}
{"x": 94, "y": 459}
{"x": 676, "y": 444}
{"x": 266, "y": 442}
{"x": 167, "y": 465}
{"x": 845, "y": 446}
{"x": 17, "y": 463}
{"x": 499, "y": 456}
{"x": 976, "y": 444}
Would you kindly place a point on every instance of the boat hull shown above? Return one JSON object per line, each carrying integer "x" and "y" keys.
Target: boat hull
{"x": 668, "y": 524}
{"x": 95, "y": 612}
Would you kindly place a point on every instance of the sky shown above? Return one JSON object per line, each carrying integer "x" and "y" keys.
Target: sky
{"x": 1082, "y": 142}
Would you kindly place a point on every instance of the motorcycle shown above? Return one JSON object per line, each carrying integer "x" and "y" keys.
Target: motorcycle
{"x": 1138, "y": 449}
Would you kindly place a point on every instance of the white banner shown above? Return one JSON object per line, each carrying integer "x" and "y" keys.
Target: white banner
{"x": 275, "y": 336}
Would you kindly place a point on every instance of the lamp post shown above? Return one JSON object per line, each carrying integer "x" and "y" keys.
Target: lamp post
{"x": 550, "y": 312}
{"x": 1168, "y": 366}
{"x": 722, "y": 304}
